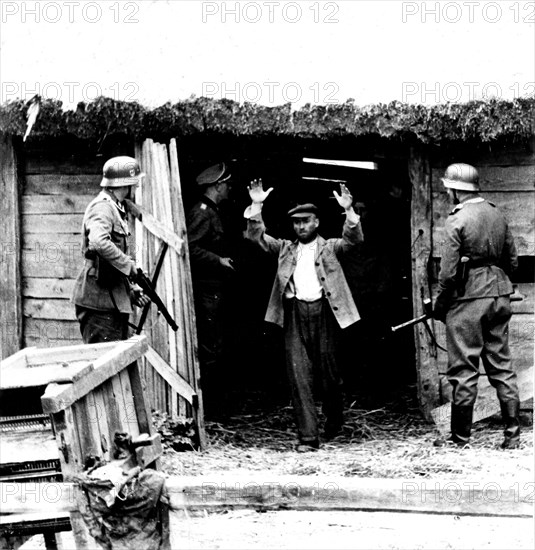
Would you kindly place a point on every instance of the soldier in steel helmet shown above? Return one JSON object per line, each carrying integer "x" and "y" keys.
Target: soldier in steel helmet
{"x": 103, "y": 294}
{"x": 211, "y": 270}
{"x": 478, "y": 257}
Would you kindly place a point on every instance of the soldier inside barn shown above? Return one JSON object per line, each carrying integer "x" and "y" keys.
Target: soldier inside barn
{"x": 312, "y": 301}
{"x": 474, "y": 302}
{"x": 103, "y": 293}
{"x": 211, "y": 270}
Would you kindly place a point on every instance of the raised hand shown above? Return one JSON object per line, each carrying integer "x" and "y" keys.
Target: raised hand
{"x": 256, "y": 191}
{"x": 345, "y": 199}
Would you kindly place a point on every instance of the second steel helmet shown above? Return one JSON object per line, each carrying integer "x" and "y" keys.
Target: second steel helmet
{"x": 120, "y": 172}
{"x": 463, "y": 177}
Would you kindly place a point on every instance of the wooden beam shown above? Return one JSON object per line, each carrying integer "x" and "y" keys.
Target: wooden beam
{"x": 190, "y": 326}
{"x": 422, "y": 247}
{"x": 17, "y": 360}
{"x": 157, "y": 228}
{"x": 60, "y": 183}
{"x": 10, "y": 251}
{"x": 181, "y": 386}
{"x": 365, "y": 165}
{"x": 66, "y": 354}
{"x": 37, "y": 204}
{"x": 508, "y": 498}
{"x": 58, "y": 397}
{"x": 46, "y": 374}
{"x": 146, "y": 455}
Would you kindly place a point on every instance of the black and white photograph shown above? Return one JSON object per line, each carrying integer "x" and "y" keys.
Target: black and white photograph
{"x": 267, "y": 274}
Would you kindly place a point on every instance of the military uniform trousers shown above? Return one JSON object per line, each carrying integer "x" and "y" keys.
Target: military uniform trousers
{"x": 311, "y": 337}
{"x": 480, "y": 328}
{"x": 102, "y": 325}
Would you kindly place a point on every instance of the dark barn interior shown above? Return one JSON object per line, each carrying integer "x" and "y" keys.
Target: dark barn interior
{"x": 375, "y": 362}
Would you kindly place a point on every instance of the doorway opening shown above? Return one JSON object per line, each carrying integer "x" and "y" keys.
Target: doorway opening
{"x": 376, "y": 363}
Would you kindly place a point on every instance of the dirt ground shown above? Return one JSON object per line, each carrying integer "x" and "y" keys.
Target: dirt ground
{"x": 341, "y": 530}
{"x": 355, "y": 530}
{"x": 391, "y": 441}
{"x": 387, "y": 441}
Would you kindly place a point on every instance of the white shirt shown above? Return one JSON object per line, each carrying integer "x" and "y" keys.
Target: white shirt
{"x": 305, "y": 284}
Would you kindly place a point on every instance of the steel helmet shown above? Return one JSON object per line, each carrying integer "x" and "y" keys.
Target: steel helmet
{"x": 120, "y": 172}
{"x": 463, "y": 177}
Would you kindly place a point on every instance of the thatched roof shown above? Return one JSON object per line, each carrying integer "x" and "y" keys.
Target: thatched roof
{"x": 477, "y": 120}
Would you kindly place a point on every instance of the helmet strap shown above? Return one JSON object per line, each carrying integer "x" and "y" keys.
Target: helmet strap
{"x": 455, "y": 197}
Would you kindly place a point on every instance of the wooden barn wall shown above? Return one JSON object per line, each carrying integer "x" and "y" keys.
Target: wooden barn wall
{"x": 507, "y": 177}
{"x": 58, "y": 180}
{"x": 10, "y": 300}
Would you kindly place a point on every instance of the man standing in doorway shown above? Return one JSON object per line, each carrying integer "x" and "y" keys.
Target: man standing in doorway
{"x": 478, "y": 256}
{"x": 103, "y": 294}
{"x": 311, "y": 300}
{"x": 211, "y": 269}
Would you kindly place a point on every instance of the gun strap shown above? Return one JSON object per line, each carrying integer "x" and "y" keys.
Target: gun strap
{"x": 433, "y": 337}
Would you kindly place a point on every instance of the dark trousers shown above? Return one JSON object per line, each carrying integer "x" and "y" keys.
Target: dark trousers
{"x": 209, "y": 314}
{"x": 311, "y": 338}
{"x": 210, "y": 319}
{"x": 480, "y": 328}
{"x": 102, "y": 326}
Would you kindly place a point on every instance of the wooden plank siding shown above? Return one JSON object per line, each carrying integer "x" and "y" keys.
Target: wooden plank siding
{"x": 507, "y": 179}
{"x": 57, "y": 185}
{"x": 422, "y": 238}
{"x": 10, "y": 293}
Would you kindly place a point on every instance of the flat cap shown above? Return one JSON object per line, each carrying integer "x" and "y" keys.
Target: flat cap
{"x": 303, "y": 210}
{"x": 215, "y": 174}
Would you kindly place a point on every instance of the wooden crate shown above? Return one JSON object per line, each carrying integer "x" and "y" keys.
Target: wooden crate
{"x": 92, "y": 392}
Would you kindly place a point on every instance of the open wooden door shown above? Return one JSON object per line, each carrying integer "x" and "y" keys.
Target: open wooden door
{"x": 172, "y": 378}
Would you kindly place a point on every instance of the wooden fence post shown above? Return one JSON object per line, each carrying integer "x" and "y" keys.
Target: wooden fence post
{"x": 10, "y": 252}
{"x": 422, "y": 247}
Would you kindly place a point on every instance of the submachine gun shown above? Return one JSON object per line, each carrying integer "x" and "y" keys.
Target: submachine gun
{"x": 428, "y": 312}
{"x": 141, "y": 279}
{"x": 107, "y": 276}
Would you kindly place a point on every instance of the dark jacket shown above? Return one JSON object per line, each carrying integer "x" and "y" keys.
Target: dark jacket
{"x": 206, "y": 241}
{"x": 476, "y": 229}
{"x": 105, "y": 230}
{"x": 328, "y": 269}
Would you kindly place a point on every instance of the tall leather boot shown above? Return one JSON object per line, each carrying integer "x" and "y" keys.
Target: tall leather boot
{"x": 461, "y": 423}
{"x": 461, "y": 426}
{"x": 511, "y": 417}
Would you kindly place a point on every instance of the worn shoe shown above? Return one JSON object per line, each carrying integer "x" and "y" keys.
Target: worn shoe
{"x": 307, "y": 446}
{"x": 450, "y": 441}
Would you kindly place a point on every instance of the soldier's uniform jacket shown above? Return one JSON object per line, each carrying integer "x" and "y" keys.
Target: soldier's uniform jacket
{"x": 328, "y": 270}
{"x": 476, "y": 229}
{"x": 105, "y": 229}
{"x": 206, "y": 242}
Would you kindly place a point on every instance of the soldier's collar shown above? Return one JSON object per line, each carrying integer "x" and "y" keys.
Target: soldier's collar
{"x": 210, "y": 203}
{"x": 107, "y": 196}
{"x": 459, "y": 206}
